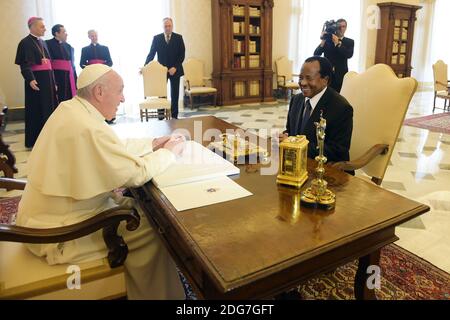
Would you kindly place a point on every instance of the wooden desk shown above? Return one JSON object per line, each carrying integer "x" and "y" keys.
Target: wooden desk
{"x": 261, "y": 245}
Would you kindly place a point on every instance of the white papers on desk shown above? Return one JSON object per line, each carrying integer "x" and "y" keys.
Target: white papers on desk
{"x": 204, "y": 193}
{"x": 199, "y": 178}
{"x": 196, "y": 163}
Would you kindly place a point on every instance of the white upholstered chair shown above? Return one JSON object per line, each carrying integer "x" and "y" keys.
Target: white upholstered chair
{"x": 194, "y": 81}
{"x": 380, "y": 101}
{"x": 285, "y": 77}
{"x": 155, "y": 91}
{"x": 441, "y": 83}
{"x": 26, "y": 276}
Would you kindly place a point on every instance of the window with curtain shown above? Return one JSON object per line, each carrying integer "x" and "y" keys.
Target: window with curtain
{"x": 308, "y": 17}
{"x": 439, "y": 46}
{"x": 127, "y": 28}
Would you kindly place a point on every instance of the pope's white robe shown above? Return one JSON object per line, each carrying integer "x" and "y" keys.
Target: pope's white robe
{"x": 75, "y": 165}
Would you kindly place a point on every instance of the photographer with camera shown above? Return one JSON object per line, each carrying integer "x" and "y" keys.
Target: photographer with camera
{"x": 336, "y": 48}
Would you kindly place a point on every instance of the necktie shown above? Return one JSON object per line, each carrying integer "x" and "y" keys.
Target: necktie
{"x": 167, "y": 38}
{"x": 306, "y": 116}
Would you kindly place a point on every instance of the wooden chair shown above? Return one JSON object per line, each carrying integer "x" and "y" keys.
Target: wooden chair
{"x": 155, "y": 92}
{"x": 25, "y": 276}
{"x": 441, "y": 83}
{"x": 380, "y": 101}
{"x": 194, "y": 81}
{"x": 285, "y": 77}
{"x": 100, "y": 279}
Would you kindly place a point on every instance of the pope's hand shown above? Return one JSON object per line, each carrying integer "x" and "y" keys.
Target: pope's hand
{"x": 158, "y": 143}
{"x": 176, "y": 144}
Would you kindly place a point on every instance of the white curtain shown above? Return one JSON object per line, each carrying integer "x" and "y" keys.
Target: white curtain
{"x": 307, "y": 19}
{"x": 423, "y": 38}
{"x": 435, "y": 45}
{"x": 127, "y": 28}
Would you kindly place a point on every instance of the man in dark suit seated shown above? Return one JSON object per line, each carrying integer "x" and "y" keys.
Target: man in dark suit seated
{"x": 338, "y": 49}
{"x": 170, "y": 48}
{"x": 317, "y": 97}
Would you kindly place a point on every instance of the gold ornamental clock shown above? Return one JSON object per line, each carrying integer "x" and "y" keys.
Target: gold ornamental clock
{"x": 292, "y": 165}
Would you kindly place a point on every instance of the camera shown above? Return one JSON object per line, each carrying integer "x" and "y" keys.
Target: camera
{"x": 330, "y": 27}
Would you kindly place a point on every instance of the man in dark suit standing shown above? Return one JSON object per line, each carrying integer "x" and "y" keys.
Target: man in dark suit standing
{"x": 170, "y": 48}
{"x": 338, "y": 51}
{"x": 306, "y": 107}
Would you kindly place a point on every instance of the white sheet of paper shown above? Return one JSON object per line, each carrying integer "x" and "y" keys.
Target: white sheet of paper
{"x": 196, "y": 163}
{"x": 204, "y": 193}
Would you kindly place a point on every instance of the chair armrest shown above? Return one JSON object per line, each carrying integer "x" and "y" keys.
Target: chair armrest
{"x": 109, "y": 220}
{"x": 362, "y": 161}
{"x": 295, "y": 75}
{"x": 442, "y": 84}
{"x": 208, "y": 79}
{"x": 12, "y": 184}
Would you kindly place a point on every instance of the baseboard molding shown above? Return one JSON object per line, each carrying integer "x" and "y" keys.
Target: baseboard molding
{"x": 16, "y": 114}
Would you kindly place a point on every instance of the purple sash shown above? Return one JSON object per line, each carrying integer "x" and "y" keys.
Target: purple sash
{"x": 45, "y": 66}
{"x": 65, "y": 65}
{"x": 96, "y": 61}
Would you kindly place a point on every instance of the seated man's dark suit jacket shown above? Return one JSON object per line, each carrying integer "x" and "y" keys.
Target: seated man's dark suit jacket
{"x": 339, "y": 116}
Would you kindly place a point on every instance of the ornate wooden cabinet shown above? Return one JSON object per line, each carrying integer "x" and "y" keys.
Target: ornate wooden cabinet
{"x": 395, "y": 38}
{"x": 242, "y": 50}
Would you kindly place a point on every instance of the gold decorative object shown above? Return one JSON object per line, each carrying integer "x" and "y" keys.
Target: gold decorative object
{"x": 238, "y": 149}
{"x": 318, "y": 196}
{"x": 292, "y": 165}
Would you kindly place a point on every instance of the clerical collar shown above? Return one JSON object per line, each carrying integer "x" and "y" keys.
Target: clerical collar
{"x": 94, "y": 44}
{"x": 59, "y": 41}
{"x": 36, "y": 37}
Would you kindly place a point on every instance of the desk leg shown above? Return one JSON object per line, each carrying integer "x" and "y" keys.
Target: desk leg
{"x": 362, "y": 292}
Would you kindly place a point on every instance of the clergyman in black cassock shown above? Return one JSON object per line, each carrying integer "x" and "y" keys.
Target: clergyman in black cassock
{"x": 95, "y": 53}
{"x": 63, "y": 66}
{"x": 41, "y": 99}
{"x": 171, "y": 52}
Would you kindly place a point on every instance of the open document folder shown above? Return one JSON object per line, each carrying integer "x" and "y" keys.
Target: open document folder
{"x": 199, "y": 178}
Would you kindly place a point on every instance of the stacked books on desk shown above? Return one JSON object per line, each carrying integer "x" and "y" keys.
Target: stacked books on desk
{"x": 199, "y": 178}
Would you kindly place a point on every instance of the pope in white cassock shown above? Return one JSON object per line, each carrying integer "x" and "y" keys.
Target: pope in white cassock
{"x": 75, "y": 165}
